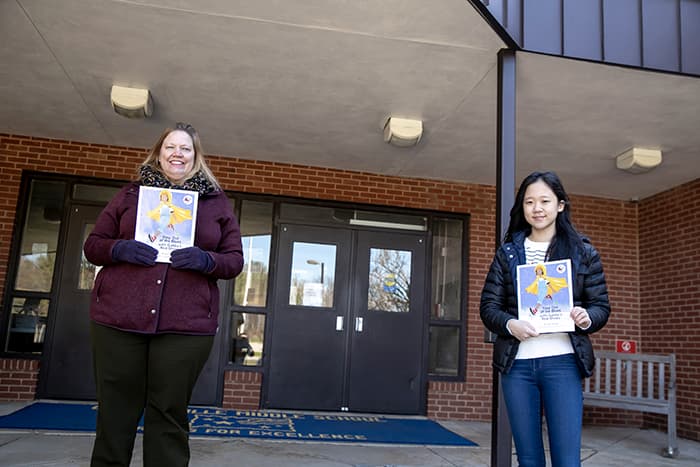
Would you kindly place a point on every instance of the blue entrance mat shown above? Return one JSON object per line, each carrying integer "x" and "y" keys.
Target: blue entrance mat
{"x": 207, "y": 421}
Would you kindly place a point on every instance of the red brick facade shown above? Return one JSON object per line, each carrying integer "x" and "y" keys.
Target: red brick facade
{"x": 18, "y": 379}
{"x": 649, "y": 249}
{"x": 669, "y": 293}
{"x": 242, "y": 390}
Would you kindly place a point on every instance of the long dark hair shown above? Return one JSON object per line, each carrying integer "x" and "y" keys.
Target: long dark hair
{"x": 567, "y": 240}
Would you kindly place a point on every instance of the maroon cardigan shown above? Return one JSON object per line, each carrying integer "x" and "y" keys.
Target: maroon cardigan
{"x": 161, "y": 299}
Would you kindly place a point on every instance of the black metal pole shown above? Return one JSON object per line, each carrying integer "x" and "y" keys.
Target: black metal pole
{"x": 501, "y": 436}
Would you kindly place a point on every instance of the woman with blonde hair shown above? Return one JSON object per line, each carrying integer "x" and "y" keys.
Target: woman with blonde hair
{"x": 153, "y": 323}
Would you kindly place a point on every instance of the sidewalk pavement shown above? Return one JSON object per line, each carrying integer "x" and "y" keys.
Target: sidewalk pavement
{"x": 602, "y": 447}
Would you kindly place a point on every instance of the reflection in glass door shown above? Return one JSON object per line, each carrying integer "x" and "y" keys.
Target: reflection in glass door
{"x": 30, "y": 291}
{"x": 313, "y": 274}
{"x": 389, "y": 280}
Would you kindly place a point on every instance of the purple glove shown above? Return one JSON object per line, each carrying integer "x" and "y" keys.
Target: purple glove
{"x": 191, "y": 258}
{"x": 135, "y": 252}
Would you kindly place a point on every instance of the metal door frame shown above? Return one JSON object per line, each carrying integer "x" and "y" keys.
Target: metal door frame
{"x": 349, "y": 309}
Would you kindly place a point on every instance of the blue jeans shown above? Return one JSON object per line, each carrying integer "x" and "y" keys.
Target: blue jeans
{"x": 555, "y": 383}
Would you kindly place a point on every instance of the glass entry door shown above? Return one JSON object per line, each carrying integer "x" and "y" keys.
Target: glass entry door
{"x": 347, "y": 331}
{"x": 386, "y": 364}
{"x": 310, "y": 322}
{"x": 66, "y": 370}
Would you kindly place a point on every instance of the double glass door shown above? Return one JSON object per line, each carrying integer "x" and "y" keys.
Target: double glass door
{"x": 347, "y": 331}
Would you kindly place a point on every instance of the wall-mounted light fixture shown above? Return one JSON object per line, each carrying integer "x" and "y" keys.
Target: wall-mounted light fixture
{"x": 403, "y": 132}
{"x": 639, "y": 160}
{"x": 131, "y": 102}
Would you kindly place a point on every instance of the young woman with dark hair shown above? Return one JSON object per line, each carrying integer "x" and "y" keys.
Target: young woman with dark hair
{"x": 544, "y": 372}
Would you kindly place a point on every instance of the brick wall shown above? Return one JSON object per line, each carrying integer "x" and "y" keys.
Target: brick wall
{"x": 669, "y": 239}
{"x": 18, "y": 379}
{"x": 242, "y": 390}
{"x": 613, "y": 226}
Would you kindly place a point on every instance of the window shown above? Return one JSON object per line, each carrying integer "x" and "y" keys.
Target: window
{"x": 248, "y": 332}
{"x": 256, "y": 234}
{"x": 389, "y": 280}
{"x": 30, "y": 294}
{"x": 27, "y": 325}
{"x": 88, "y": 271}
{"x": 99, "y": 193}
{"x": 40, "y": 236}
{"x": 446, "y": 323}
{"x": 443, "y": 356}
{"x": 313, "y": 275}
{"x": 447, "y": 269}
{"x": 344, "y": 216}
{"x": 248, "y": 320}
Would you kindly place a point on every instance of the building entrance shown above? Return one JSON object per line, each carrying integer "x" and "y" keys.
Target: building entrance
{"x": 66, "y": 368}
{"x": 348, "y": 321}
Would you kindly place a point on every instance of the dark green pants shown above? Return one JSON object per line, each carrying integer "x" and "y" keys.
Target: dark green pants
{"x": 149, "y": 375}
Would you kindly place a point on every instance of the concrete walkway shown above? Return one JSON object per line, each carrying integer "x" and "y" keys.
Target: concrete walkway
{"x": 602, "y": 447}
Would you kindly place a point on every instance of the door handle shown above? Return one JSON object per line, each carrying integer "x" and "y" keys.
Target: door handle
{"x": 358, "y": 324}
{"x": 338, "y": 323}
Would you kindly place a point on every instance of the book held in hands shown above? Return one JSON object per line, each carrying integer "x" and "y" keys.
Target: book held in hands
{"x": 166, "y": 219}
{"x": 545, "y": 298}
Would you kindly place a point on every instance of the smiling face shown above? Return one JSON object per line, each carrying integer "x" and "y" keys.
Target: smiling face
{"x": 541, "y": 207}
{"x": 176, "y": 157}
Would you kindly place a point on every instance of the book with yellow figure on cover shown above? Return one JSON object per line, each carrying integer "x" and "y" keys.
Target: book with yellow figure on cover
{"x": 545, "y": 298}
{"x": 166, "y": 219}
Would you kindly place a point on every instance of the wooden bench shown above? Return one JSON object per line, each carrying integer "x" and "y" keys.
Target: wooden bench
{"x": 643, "y": 383}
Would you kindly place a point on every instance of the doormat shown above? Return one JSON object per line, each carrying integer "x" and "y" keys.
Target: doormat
{"x": 261, "y": 424}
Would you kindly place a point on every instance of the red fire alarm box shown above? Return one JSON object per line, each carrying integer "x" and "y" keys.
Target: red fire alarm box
{"x": 624, "y": 346}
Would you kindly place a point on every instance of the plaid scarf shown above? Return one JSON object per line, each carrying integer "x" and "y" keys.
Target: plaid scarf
{"x": 152, "y": 177}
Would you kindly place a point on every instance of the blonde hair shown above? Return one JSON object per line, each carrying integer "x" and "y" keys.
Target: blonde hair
{"x": 199, "y": 164}
{"x": 168, "y": 196}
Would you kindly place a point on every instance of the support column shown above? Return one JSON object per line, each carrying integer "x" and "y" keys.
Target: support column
{"x": 501, "y": 436}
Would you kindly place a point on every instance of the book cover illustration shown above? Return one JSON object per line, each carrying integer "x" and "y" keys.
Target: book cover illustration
{"x": 544, "y": 295}
{"x": 166, "y": 219}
